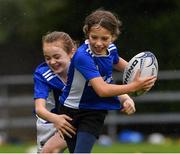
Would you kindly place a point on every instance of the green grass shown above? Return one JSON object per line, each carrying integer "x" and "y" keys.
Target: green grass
{"x": 138, "y": 148}
{"x": 14, "y": 148}
{"x": 115, "y": 148}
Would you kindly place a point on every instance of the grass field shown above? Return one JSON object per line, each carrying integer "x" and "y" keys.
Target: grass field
{"x": 115, "y": 148}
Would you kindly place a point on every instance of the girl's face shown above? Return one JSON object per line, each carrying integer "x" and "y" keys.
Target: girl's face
{"x": 99, "y": 39}
{"x": 56, "y": 57}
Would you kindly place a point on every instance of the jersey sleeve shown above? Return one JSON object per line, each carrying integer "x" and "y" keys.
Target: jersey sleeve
{"x": 115, "y": 57}
{"x": 85, "y": 64}
{"x": 114, "y": 52}
{"x": 41, "y": 89}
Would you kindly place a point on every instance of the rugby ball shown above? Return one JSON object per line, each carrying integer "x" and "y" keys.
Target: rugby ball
{"x": 146, "y": 62}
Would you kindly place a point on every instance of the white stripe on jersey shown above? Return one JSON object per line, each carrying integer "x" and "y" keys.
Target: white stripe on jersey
{"x": 75, "y": 95}
{"x": 111, "y": 47}
{"x": 49, "y": 78}
{"x": 48, "y": 75}
{"x": 90, "y": 52}
{"x": 46, "y": 72}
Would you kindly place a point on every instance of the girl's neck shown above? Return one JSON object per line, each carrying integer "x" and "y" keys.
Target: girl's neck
{"x": 63, "y": 76}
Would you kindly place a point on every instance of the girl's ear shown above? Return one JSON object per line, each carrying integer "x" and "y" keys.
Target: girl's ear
{"x": 113, "y": 38}
{"x": 72, "y": 52}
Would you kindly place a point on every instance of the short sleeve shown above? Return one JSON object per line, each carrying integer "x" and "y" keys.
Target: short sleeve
{"x": 41, "y": 88}
{"x": 85, "y": 64}
{"x": 115, "y": 57}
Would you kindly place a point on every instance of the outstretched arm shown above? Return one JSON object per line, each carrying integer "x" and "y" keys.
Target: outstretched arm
{"x": 61, "y": 122}
{"x": 104, "y": 89}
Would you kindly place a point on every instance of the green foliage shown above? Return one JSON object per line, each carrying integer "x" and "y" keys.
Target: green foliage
{"x": 147, "y": 24}
{"x": 29, "y": 18}
{"x": 153, "y": 25}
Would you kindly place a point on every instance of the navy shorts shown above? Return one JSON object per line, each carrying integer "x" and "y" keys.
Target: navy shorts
{"x": 86, "y": 120}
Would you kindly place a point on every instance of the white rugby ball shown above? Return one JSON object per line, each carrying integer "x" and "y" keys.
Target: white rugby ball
{"x": 146, "y": 62}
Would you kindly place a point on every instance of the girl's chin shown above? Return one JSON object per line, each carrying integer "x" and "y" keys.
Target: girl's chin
{"x": 97, "y": 52}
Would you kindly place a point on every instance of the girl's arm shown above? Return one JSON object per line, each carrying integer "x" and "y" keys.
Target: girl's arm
{"x": 60, "y": 121}
{"x": 126, "y": 101}
{"x": 104, "y": 89}
{"x": 120, "y": 66}
{"x": 128, "y": 104}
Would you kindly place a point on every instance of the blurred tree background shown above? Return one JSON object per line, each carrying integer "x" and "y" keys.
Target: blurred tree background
{"x": 147, "y": 25}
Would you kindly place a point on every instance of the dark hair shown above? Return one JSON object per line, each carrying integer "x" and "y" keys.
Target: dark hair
{"x": 103, "y": 18}
{"x": 67, "y": 42}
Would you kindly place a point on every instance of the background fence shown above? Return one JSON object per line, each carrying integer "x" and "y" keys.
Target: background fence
{"x": 160, "y": 106}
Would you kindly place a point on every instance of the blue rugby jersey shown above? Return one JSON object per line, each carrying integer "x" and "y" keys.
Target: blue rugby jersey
{"x": 85, "y": 65}
{"x": 48, "y": 85}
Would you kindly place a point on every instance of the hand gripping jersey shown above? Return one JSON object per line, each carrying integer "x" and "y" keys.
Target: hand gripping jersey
{"x": 48, "y": 85}
{"x": 85, "y": 65}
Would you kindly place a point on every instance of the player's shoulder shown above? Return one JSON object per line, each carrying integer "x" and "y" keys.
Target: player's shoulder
{"x": 43, "y": 68}
{"x": 112, "y": 48}
{"x": 44, "y": 73}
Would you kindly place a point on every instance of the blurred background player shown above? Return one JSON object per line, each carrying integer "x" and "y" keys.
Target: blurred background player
{"x": 49, "y": 81}
{"x": 89, "y": 93}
